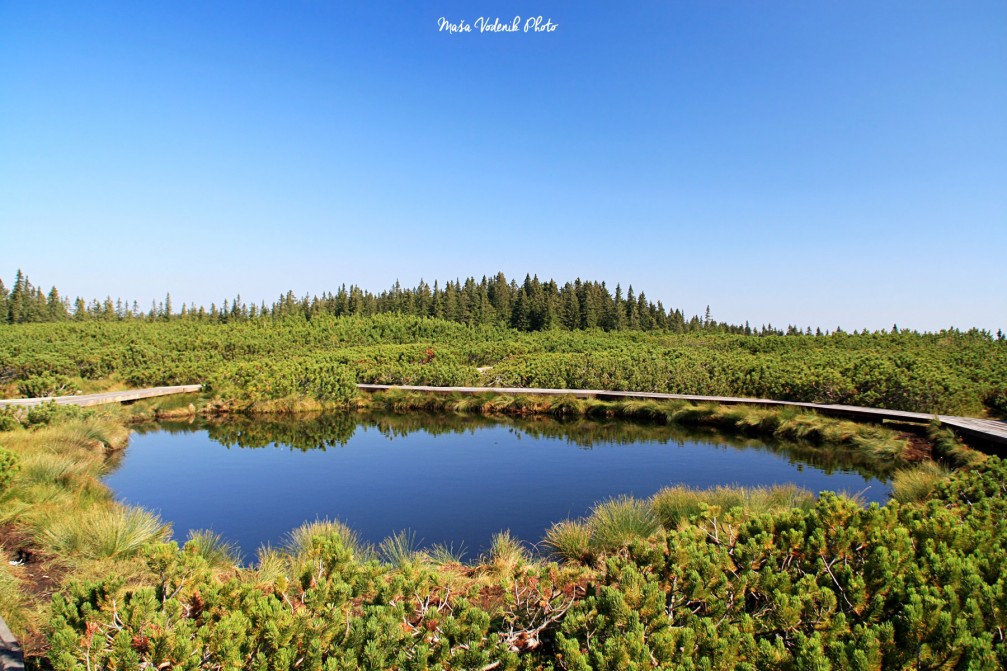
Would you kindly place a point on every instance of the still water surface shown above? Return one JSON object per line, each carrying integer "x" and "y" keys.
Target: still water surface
{"x": 451, "y": 480}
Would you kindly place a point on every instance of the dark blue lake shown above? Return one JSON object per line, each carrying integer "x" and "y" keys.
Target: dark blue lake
{"x": 450, "y": 480}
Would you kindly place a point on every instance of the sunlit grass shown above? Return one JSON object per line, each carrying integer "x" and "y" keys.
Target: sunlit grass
{"x": 570, "y": 540}
{"x": 642, "y": 408}
{"x": 13, "y": 605}
{"x": 211, "y": 546}
{"x": 917, "y": 483}
{"x": 400, "y": 549}
{"x": 507, "y": 555}
{"x": 272, "y": 568}
{"x": 568, "y": 406}
{"x": 949, "y": 448}
{"x": 102, "y": 532}
{"x": 45, "y": 468}
{"x": 305, "y": 539}
{"x": 442, "y": 554}
{"x": 619, "y": 521}
{"x": 675, "y": 505}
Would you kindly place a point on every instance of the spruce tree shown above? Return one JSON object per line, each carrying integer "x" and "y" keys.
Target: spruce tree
{"x": 55, "y": 307}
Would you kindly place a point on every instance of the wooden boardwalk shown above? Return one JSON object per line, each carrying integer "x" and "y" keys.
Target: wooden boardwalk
{"x": 107, "y": 397}
{"x": 985, "y": 430}
{"x": 11, "y": 655}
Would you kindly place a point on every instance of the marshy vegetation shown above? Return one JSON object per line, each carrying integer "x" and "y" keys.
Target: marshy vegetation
{"x": 632, "y": 579}
{"x": 873, "y": 442}
{"x": 717, "y": 579}
{"x": 740, "y": 578}
{"x": 617, "y": 523}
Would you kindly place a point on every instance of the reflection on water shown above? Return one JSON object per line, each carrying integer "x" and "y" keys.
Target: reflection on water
{"x": 450, "y": 478}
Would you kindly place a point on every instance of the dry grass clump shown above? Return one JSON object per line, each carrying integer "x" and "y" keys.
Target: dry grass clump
{"x": 306, "y": 539}
{"x": 211, "y": 546}
{"x": 102, "y": 532}
{"x": 917, "y": 483}
{"x": 444, "y": 554}
{"x": 675, "y": 505}
{"x": 571, "y": 540}
{"x": 507, "y": 555}
{"x": 618, "y": 522}
{"x": 400, "y": 549}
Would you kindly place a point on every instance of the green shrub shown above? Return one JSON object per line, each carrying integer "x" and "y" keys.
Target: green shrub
{"x": 9, "y": 420}
{"x": 51, "y": 412}
{"x": 9, "y": 466}
{"x": 996, "y": 400}
{"x": 42, "y": 386}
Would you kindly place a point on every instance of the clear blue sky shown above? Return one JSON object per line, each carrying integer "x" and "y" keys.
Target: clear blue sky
{"x": 823, "y": 163}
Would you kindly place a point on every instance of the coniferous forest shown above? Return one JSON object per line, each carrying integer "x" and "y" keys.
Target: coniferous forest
{"x": 532, "y": 305}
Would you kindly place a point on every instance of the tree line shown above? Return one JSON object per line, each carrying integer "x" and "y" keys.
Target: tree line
{"x": 532, "y": 305}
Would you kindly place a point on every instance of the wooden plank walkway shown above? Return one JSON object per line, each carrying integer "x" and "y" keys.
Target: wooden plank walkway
{"x": 987, "y": 430}
{"x": 11, "y": 655}
{"x": 107, "y": 397}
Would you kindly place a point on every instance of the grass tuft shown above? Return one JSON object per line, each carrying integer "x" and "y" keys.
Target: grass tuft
{"x": 212, "y": 547}
{"x": 302, "y": 540}
{"x": 915, "y": 484}
{"x": 568, "y": 406}
{"x": 441, "y": 554}
{"x": 571, "y": 540}
{"x": 103, "y": 533}
{"x": 618, "y": 522}
{"x": 41, "y": 468}
{"x": 507, "y": 554}
{"x": 400, "y": 549}
{"x": 272, "y": 568}
{"x": 675, "y": 505}
{"x": 949, "y": 448}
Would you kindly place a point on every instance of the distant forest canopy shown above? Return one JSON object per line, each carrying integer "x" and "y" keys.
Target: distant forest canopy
{"x": 532, "y": 305}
